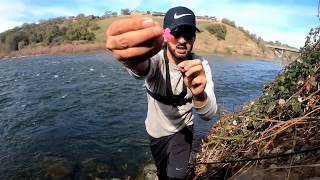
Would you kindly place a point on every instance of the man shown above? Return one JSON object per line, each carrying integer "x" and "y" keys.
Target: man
{"x": 176, "y": 80}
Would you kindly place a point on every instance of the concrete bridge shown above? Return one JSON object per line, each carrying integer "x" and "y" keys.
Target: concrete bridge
{"x": 282, "y": 48}
{"x": 286, "y": 54}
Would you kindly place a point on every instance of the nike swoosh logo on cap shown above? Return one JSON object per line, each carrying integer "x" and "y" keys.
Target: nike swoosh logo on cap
{"x": 176, "y": 16}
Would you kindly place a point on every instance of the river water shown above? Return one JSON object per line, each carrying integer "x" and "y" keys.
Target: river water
{"x": 82, "y": 116}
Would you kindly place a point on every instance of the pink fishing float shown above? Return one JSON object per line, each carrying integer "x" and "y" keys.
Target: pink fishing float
{"x": 167, "y": 35}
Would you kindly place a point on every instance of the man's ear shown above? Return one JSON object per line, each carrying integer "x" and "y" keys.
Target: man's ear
{"x": 194, "y": 39}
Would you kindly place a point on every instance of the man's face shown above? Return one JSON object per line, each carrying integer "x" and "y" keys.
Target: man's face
{"x": 182, "y": 44}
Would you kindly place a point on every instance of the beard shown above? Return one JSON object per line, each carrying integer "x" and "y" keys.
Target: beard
{"x": 180, "y": 52}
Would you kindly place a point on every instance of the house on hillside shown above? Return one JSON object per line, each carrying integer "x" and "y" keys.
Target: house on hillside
{"x": 202, "y": 17}
{"x": 208, "y": 18}
{"x": 71, "y": 19}
{"x": 157, "y": 14}
{"x": 137, "y": 12}
{"x": 91, "y": 17}
{"x": 212, "y": 18}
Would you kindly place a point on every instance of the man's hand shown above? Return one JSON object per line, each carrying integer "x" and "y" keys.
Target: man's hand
{"x": 195, "y": 79}
{"x": 134, "y": 40}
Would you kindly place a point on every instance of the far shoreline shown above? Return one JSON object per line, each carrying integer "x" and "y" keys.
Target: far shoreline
{"x": 89, "y": 48}
{"x": 240, "y": 57}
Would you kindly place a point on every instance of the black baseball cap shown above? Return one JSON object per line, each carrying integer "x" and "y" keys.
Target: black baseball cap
{"x": 179, "y": 16}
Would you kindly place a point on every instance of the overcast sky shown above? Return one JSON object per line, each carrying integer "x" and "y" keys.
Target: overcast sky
{"x": 287, "y": 21}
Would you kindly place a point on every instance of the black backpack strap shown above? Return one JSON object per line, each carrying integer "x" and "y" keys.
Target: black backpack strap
{"x": 168, "y": 79}
{"x": 170, "y": 98}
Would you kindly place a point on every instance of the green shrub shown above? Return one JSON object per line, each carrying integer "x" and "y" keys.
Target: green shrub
{"x": 229, "y": 22}
{"x": 218, "y": 30}
{"x": 94, "y": 27}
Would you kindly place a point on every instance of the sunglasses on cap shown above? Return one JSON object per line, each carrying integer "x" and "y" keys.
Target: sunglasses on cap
{"x": 185, "y": 31}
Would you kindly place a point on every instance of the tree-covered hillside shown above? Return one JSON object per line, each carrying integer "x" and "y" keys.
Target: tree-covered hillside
{"x": 51, "y": 32}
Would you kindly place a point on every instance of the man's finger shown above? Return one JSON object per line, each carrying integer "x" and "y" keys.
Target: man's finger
{"x": 194, "y": 70}
{"x": 189, "y": 63}
{"x": 136, "y": 53}
{"x": 133, "y": 38}
{"x": 125, "y": 25}
{"x": 197, "y": 85}
{"x": 198, "y": 81}
{"x": 187, "y": 82}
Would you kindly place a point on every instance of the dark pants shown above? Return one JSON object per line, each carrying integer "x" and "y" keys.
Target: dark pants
{"x": 171, "y": 154}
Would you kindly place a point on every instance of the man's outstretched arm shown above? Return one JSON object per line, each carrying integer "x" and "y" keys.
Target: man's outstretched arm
{"x": 133, "y": 41}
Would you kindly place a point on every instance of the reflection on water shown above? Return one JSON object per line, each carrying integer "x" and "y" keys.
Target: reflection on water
{"x": 83, "y": 115}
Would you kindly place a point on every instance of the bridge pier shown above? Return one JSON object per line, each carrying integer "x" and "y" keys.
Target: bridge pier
{"x": 282, "y": 53}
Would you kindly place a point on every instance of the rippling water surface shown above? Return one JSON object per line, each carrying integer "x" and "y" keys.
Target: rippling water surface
{"x": 82, "y": 116}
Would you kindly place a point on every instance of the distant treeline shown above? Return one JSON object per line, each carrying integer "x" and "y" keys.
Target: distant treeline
{"x": 50, "y": 32}
{"x": 260, "y": 42}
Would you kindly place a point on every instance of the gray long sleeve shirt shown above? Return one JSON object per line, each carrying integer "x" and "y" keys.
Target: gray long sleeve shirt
{"x": 163, "y": 120}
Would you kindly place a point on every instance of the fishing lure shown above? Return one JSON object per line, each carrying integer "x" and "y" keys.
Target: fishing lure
{"x": 167, "y": 35}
